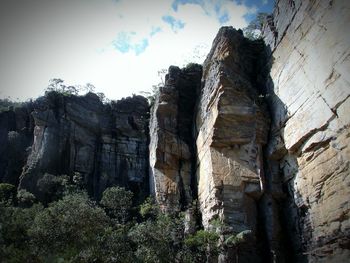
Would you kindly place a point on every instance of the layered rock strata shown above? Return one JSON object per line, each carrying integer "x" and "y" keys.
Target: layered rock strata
{"x": 309, "y": 144}
{"x": 171, "y": 141}
{"x": 105, "y": 144}
{"x": 232, "y": 124}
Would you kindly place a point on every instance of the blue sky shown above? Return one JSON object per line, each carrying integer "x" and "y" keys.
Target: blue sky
{"x": 117, "y": 45}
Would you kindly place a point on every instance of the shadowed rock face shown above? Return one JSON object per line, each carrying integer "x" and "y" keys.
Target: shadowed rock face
{"x": 309, "y": 142}
{"x": 263, "y": 145}
{"x": 16, "y": 135}
{"x": 105, "y": 144}
{"x": 171, "y": 141}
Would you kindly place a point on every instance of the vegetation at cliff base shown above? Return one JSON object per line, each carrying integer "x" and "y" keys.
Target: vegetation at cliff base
{"x": 71, "y": 227}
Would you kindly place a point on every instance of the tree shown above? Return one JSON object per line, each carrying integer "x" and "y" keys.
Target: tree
{"x": 25, "y": 199}
{"x": 52, "y": 187}
{"x": 203, "y": 244}
{"x": 68, "y": 227}
{"x": 57, "y": 85}
{"x": 7, "y": 192}
{"x": 236, "y": 240}
{"x": 14, "y": 239}
{"x": 117, "y": 202}
{"x": 158, "y": 240}
{"x": 149, "y": 209}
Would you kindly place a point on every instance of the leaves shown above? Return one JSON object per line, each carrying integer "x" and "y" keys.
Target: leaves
{"x": 117, "y": 202}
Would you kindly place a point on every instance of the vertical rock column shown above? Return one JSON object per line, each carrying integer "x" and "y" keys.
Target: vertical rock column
{"x": 171, "y": 143}
{"x": 232, "y": 128}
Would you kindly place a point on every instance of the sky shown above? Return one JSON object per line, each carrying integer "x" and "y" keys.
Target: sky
{"x": 119, "y": 46}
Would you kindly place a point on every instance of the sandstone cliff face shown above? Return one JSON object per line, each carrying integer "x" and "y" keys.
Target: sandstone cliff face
{"x": 105, "y": 144}
{"x": 309, "y": 143}
{"x": 232, "y": 124}
{"x": 263, "y": 145}
{"x": 171, "y": 141}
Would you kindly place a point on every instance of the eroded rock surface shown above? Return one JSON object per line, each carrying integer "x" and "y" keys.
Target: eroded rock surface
{"x": 105, "y": 144}
{"x": 171, "y": 140}
{"x": 232, "y": 124}
{"x": 310, "y": 105}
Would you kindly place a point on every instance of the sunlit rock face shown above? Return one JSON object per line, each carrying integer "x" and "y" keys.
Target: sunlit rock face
{"x": 232, "y": 124}
{"x": 171, "y": 141}
{"x": 310, "y": 106}
{"x": 105, "y": 144}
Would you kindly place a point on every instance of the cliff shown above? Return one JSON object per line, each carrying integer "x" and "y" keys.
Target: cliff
{"x": 309, "y": 101}
{"x": 256, "y": 138}
{"x": 78, "y": 135}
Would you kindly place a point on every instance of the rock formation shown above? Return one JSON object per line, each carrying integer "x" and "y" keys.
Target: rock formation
{"x": 308, "y": 146}
{"x": 232, "y": 124}
{"x": 258, "y": 137}
{"x": 171, "y": 142}
{"x": 104, "y": 144}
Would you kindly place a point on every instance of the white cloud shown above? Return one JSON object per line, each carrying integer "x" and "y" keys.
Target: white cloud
{"x": 73, "y": 40}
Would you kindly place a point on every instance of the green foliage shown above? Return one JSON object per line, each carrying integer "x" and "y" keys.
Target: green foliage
{"x": 52, "y": 187}
{"x": 14, "y": 239}
{"x": 25, "y": 198}
{"x": 57, "y": 85}
{"x": 117, "y": 202}
{"x": 202, "y": 245}
{"x": 148, "y": 209}
{"x": 202, "y": 238}
{"x": 240, "y": 238}
{"x": 151, "y": 95}
{"x": 157, "y": 240}
{"x": 115, "y": 246}
{"x": 67, "y": 227}
{"x": 7, "y": 104}
{"x": 7, "y": 192}
{"x": 76, "y": 229}
{"x": 193, "y": 66}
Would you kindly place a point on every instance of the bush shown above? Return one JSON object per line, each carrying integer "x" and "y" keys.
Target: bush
{"x": 117, "y": 202}
{"x": 25, "y": 198}
{"x": 52, "y": 187}
{"x": 67, "y": 227}
{"x": 149, "y": 209}
{"x": 158, "y": 240}
{"x": 7, "y": 192}
{"x": 14, "y": 239}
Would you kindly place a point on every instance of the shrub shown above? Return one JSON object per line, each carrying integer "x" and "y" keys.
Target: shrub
{"x": 67, "y": 227}
{"x": 117, "y": 202}
{"x": 7, "y": 192}
{"x": 25, "y": 198}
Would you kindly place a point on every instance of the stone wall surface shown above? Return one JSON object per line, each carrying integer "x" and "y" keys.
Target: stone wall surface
{"x": 171, "y": 140}
{"x": 259, "y": 136}
{"x": 310, "y": 105}
{"x": 232, "y": 124}
{"x": 105, "y": 144}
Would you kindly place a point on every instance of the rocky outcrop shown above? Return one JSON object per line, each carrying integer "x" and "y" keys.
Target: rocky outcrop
{"x": 171, "y": 142}
{"x": 309, "y": 143}
{"x": 259, "y": 137}
{"x": 104, "y": 144}
{"x": 232, "y": 124}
